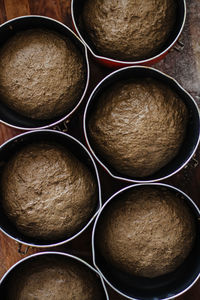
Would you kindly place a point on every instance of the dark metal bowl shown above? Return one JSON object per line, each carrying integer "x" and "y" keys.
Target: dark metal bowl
{"x": 70, "y": 143}
{"x": 163, "y": 287}
{"x": 7, "y": 30}
{"x": 190, "y": 142}
{"x": 77, "y": 9}
{"x": 34, "y": 257}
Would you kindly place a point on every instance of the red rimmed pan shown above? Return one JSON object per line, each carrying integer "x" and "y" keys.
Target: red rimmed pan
{"x": 77, "y": 8}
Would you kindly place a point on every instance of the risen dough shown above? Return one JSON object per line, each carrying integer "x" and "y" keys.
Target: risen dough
{"x": 42, "y": 74}
{"x": 131, "y": 29}
{"x": 47, "y": 192}
{"x": 53, "y": 278}
{"x": 147, "y": 232}
{"x": 138, "y": 126}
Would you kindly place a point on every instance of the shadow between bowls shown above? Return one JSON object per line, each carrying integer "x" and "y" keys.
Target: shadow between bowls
{"x": 37, "y": 256}
{"x": 191, "y": 140}
{"x": 13, "y": 145}
{"x": 77, "y": 9}
{"x": 7, "y": 30}
{"x": 164, "y": 287}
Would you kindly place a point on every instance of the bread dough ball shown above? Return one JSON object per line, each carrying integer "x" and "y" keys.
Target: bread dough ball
{"x": 50, "y": 278}
{"x": 129, "y": 30}
{"x": 47, "y": 192}
{"x": 43, "y": 74}
{"x": 146, "y": 232}
{"x": 138, "y": 126}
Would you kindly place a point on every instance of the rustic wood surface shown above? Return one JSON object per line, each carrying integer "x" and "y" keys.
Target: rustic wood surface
{"x": 183, "y": 65}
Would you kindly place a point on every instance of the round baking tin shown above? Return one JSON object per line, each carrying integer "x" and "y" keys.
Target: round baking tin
{"x": 190, "y": 142}
{"x": 12, "y": 118}
{"x": 77, "y": 8}
{"x": 164, "y": 287}
{"x": 49, "y": 254}
{"x": 13, "y": 145}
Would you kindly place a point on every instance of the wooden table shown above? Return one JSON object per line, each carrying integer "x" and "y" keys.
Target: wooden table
{"x": 183, "y": 65}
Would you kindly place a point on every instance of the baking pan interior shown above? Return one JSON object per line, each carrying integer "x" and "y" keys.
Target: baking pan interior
{"x": 9, "y": 29}
{"x": 161, "y": 287}
{"x": 18, "y": 143}
{"x": 13, "y": 274}
{"x": 192, "y": 133}
{"x": 78, "y": 10}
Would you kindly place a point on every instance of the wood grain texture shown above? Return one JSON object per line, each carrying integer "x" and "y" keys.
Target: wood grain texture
{"x": 184, "y": 66}
{"x": 3, "y": 16}
{"x": 7, "y": 133}
{"x": 52, "y": 10}
{"x": 13, "y": 10}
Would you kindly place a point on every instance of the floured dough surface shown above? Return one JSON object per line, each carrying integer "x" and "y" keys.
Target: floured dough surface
{"x": 53, "y": 278}
{"x": 138, "y": 126}
{"x": 47, "y": 192}
{"x": 131, "y": 29}
{"x": 43, "y": 74}
{"x": 147, "y": 232}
